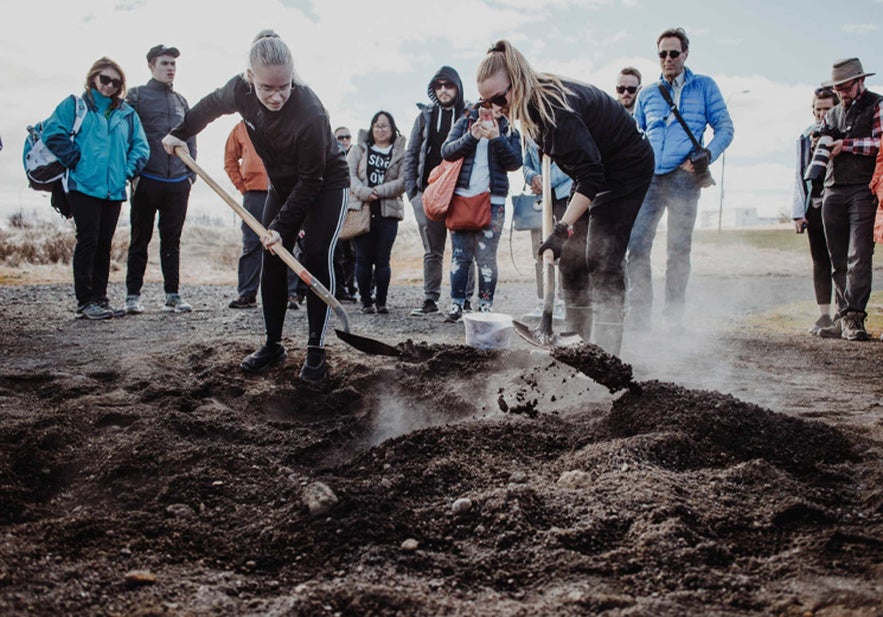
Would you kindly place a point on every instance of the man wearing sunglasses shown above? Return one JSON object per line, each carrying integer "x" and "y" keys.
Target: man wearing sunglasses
{"x": 345, "y": 251}
{"x": 163, "y": 188}
{"x": 848, "y": 205}
{"x": 628, "y": 84}
{"x": 423, "y": 153}
{"x": 676, "y": 185}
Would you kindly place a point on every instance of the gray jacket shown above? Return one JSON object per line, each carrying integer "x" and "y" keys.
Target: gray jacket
{"x": 161, "y": 109}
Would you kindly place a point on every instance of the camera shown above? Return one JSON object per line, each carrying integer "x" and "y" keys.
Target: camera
{"x": 822, "y": 155}
{"x": 701, "y": 159}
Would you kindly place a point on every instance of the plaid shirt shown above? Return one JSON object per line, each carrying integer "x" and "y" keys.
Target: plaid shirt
{"x": 867, "y": 146}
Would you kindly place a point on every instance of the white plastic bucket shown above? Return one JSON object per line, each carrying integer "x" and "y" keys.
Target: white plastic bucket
{"x": 487, "y": 330}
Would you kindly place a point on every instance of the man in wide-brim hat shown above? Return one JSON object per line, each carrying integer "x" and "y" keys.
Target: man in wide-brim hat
{"x": 848, "y": 206}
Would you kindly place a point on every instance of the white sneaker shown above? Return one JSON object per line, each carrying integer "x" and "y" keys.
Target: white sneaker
{"x": 175, "y": 304}
{"x": 133, "y": 305}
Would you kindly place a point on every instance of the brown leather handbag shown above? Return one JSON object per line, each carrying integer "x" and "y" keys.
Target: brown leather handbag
{"x": 469, "y": 213}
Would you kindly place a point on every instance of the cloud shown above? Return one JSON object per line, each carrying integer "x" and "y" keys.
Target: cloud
{"x": 859, "y": 28}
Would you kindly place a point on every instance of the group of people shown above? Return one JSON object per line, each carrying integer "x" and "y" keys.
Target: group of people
{"x": 618, "y": 165}
{"x": 834, "y": 198}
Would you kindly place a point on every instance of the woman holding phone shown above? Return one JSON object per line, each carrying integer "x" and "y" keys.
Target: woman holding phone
{"x": 490, "y": 148}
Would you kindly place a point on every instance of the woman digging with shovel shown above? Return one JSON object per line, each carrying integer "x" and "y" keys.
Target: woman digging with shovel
{"x": 309, "y": 178}
{"x": 594, "y": 141}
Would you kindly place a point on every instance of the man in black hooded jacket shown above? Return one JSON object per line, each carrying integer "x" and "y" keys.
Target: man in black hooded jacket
{"x": 430, "y": 130}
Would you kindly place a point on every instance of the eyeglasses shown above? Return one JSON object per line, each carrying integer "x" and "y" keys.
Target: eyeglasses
{"x": 439, "y": 85}
{"x": 629, "y": 89}
{"x": 845, "y": 87}
{"x": 382, "y": 126}
{"x": 107, "y": 80}
{"x": 673, "y": 53}
{"x": 270, "y": 91}
{"x": 342, "y": 137}
{"x": 499, "y": 100}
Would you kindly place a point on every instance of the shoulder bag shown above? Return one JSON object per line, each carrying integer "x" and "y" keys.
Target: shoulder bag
{"x": 356, "y": 223}
{"x": 700, "y": 157}
{"x": 440, "y": 189}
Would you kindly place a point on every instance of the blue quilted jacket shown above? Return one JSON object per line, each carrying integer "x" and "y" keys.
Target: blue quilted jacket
{"x": 701, "y": 105}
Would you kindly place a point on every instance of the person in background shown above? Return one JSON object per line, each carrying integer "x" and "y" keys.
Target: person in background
{"x": 110, "y": 149}
{"x": 573, "y": 258}
{"x": 876, "y": 187}
{"x": 848, "y": 205}
{"x": 594, "y": 141}
{"x": 345, "y": 253}
{"x": 309, "y": 185}
{"x": 431, "y": 128}
{"x": 375, "y": 164}
{"x": 246, "y": 171}
{"x": 807, "y": 208}
{"x": 676, "y": 185}
{"x": 163, "y": 188}
{"x": 628, "y": 84}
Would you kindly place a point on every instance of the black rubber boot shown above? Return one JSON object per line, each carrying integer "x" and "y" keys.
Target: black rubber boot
{"x": 314, "y": 369}
{"x": 264, "y": 358}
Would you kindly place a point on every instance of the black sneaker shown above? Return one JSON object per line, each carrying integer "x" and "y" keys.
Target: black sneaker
{"x": 467, "y": 306}
{"x": 429, "y": 307}
{"x": 293, "y": 303}
{"x": 117, "y": 312}
{"x": 346, "y": 298}
{"x": 314, "y": 368}
{"x": 264, "y": 358}
{"x": 94, "y": 311}
{"x": 243, "y": 302}
{"x": 382, "y": 309}
{"x": 822, "y": 322}
{"x": 367, "y": 309}
{"x": 455, "y": 313}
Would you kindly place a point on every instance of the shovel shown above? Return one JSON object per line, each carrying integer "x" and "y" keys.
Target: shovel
{"x": 367, "y": 345}
{"x": 542, "y": 335}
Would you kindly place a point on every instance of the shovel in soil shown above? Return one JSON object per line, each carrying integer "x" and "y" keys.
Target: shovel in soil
{"x": 367, "y": 345}
{"x": 542, "y": 335}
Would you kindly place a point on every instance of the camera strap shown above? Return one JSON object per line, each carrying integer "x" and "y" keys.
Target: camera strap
{"x": 674, "y": 109}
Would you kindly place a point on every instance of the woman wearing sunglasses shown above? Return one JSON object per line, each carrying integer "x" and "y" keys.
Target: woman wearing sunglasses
{"x": 109, "y": 149}
{"x": 309, "y": 185}
{"x": 596, "y": 142}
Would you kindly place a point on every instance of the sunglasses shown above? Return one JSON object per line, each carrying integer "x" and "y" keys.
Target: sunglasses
{"x": 109, "y": 81}
{"x": 629, "y": 89}
{"x": 342, "y": 137}
{"x": 674, "y": 53}
{"x": 439, "y": 85}
{"x": 498, "y": 99}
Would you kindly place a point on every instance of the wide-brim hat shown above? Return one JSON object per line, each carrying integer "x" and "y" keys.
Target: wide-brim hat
{"x": 162, "y": 50}
{"x": 846, "y": 70}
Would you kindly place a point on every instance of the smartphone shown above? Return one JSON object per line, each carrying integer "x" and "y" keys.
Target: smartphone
{"x": 486, "y": 115}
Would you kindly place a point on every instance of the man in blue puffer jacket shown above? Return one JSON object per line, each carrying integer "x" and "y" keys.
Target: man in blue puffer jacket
{"x": 675, "y": 184}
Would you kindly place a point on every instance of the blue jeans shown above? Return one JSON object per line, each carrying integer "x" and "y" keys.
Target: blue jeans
{"x": 481, "y": 246}
{"x": 252, "y": 256}
{"x": 677, "y": 192}
{"x": 373, "y": 251}
{"x": 848, "y": 213}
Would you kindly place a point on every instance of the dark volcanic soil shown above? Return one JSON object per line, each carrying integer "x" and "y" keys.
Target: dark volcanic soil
{"x": 142, "y": 473}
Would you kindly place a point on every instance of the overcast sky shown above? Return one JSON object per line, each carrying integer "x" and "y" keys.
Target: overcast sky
{"x": 364, "y": 56}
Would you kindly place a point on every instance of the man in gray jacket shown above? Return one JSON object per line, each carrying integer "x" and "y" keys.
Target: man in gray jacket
{"x": 430, "y": 130}
{"x": 164, "y": 185}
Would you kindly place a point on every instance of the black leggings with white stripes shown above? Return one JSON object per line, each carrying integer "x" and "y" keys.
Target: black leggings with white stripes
{"x": 320, "y": 236}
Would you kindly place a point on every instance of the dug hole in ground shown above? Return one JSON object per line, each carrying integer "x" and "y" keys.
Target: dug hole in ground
{"x": 143, "y": 473}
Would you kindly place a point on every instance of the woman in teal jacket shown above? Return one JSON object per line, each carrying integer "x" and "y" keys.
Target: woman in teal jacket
{"x": 110, "y": 149}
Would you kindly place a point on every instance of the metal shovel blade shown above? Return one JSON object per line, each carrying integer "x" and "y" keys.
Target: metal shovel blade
{"x": 367, "y": 345}
{"x": 545, "y": 338}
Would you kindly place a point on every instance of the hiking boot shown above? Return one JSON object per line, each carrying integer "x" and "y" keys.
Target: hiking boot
{"x": 293, "y": 303}
{"x": 133, "y": 305}
{"x": 822, "y": 322}
{"x": 175, "y": 304}
{"x": 243, "y": 302}
{"x": 853, "y": 325}
{"x": 93, "y": 310}
{"x": 455, "y": 313}
{"x": 314, "y": 368}
{"x": 382, "y": 310}
{"x": 429, "y": 307}
{"x": 264, "y": 358}
{"x": 117, "y": 312}
{"x": 368, "y": 309}
{"x": 835, "y": 330}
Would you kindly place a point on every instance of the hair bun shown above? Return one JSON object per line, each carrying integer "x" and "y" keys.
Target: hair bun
{"x": 499, "y": 46}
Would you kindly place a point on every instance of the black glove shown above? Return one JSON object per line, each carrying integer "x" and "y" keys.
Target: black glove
{"x": 560, "y": 233}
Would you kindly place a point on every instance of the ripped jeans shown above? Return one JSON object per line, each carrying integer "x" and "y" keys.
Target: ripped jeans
{"x": 481, "y": 246}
